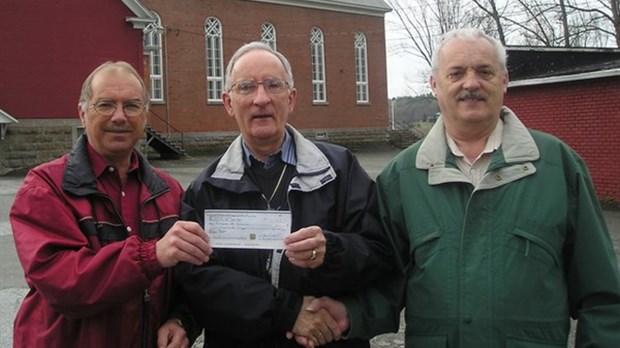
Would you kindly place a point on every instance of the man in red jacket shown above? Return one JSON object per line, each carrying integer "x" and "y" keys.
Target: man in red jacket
{"x": 98, "y": 230}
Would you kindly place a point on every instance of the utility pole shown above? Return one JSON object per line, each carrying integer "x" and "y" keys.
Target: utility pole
{"x": 392, "y": 113}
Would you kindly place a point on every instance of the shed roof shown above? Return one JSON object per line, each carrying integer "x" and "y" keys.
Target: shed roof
{"x": 527, "y": 63}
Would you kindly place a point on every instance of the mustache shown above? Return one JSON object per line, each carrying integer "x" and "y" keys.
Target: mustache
{"x": 472, "y": 95}
{"x": 118, "y": 129}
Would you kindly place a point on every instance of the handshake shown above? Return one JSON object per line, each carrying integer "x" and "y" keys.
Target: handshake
{"x": 320, "y": 321}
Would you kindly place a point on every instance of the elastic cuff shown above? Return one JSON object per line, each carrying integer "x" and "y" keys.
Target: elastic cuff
{"x": 288, "y": 307}
{"x": 148, "y": 259}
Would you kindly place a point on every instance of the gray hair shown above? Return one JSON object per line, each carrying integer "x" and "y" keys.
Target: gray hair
{"x": 256, "y": 46}
{"x": 87, "y": 88}
{"x": 469, "y": 33}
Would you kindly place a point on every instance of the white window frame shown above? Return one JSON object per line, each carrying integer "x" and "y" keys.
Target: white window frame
{"x": 268, "y": 34}
{"x": 361, "y": 68}
{"x": 214, "y": 59}
{"x": 319, "y": 80}
{"x": 153, "y": 44}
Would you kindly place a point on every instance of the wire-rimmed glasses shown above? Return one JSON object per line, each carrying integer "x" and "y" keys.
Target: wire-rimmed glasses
{"x": 107, "y": 108}
{"x": 249, "y": 87}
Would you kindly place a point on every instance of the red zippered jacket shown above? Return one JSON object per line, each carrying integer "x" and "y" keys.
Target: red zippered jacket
{"x": 91, "y": 283}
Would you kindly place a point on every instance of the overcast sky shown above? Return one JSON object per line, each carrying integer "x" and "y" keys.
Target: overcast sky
{"x": 404, "y": 79}
{"x": 403, "y": 74}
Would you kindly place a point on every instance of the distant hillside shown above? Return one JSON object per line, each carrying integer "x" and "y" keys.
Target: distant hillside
{"x": 409, "y": 110}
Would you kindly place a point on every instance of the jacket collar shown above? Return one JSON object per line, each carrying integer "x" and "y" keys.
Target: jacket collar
{"x": 286, "y": 152}
{"x": 79, "y": 179}
{"x": 310, "y": 160}
{"x": 517, "y": 143}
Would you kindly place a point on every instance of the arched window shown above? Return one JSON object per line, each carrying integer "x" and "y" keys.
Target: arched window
{"x": 317, "y": 49}
{"x": 153, "y": 46}
{"x": 215, "y": 64}
{"x": 361, "y": 68}
{"x": 268, "y": 34}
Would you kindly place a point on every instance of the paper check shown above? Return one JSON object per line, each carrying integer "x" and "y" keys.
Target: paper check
{"x": 247, "y": 229}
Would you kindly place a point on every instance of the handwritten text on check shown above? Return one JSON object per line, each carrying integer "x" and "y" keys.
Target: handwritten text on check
{"x": 247, "y": 229}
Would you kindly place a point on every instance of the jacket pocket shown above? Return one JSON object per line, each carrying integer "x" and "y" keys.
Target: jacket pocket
{"x": 424, "y": 248}
{"x": 535, "y": 247}
{"x": 521, "y": 343}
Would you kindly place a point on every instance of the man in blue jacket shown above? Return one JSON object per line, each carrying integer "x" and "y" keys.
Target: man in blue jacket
{"x": 498, "y": 230}
{"x": 253, "y": 297}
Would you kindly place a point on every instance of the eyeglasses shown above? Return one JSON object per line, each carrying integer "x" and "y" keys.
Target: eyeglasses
{"x": 248, "y": 87}
{"x": 131, "y": 109}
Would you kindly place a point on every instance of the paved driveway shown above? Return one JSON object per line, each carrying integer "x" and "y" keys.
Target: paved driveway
{"x": 13, "y": 287}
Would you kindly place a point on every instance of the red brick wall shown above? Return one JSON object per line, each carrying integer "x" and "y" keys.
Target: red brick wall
{"x": 186, "y": 104}
{"x": 584, "y": 114}
{"x": 47, "y": 48}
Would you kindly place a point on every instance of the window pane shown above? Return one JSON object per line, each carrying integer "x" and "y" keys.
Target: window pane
{"x": 153, "y": 45}
{"x": 361, "y": 67}
{"x": 268, "y": 34}
{"x": 317, "y": 49}
{"x": 215, "y": 68}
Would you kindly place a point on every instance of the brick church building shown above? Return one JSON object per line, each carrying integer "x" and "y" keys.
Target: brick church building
{"x": 336, "y": 48}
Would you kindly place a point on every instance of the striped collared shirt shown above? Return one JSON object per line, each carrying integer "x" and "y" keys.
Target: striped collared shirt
{"x": 287, "y": 153}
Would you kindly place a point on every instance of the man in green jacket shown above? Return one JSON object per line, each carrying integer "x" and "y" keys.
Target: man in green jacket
{"x": 497, "y": 228}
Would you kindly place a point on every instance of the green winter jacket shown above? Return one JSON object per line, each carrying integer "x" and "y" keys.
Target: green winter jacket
{"x": 502, "y": 265}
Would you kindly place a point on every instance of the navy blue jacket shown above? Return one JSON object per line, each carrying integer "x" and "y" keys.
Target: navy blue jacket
{"x": 233, "y": 297}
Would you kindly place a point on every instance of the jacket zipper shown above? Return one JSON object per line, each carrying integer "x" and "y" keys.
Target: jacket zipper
{"x": 146, "y": 299}
{"x": 460, "y": 264}
{"x": 146, "y": 302}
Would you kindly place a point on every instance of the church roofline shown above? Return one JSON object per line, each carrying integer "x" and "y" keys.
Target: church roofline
{"x": 369, "y": 8}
